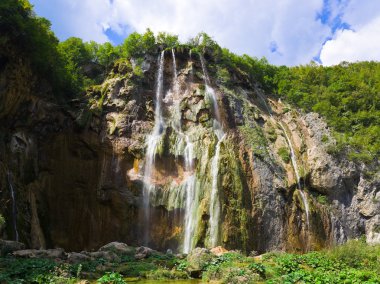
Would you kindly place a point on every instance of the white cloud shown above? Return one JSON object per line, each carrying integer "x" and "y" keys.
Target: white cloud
{"x": 349, "y": 45}
{"x": 243, "y": 26}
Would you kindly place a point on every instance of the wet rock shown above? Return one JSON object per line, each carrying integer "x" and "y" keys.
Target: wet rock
{"x": 117, "y": 248}
{"x": 107, "y": 255}
{"x": 218, "y": 251}
{"x": 197, "y": 259}
{"x": 75, "y": 257}
{"x": 34, "y": 253}
{"x": 143, "y": 252}
{"x": 9, "y": 247}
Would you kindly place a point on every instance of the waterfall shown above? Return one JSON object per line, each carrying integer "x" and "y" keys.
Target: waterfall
{"x": 176, "y": 122}
{"x": 215, "y": 207}
{"x": 152, "y": 142}
{"x": 188, "y": 153}
{"x": 14, "y": 207}
{"x": 295, "y": 166}
{"x": 294, "y": 163}
{"x": 190, "y": 216}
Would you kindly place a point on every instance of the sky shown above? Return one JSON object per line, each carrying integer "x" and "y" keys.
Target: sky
{"x": 286, "y": 32}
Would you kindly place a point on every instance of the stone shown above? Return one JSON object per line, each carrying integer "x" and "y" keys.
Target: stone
{"x": 9, "y": 247}
{"x": 57, "y": 253}
{"x": 218, "y": 251}
{"x": 197, "y": 259}
{"x": 117, "y": 248}
{"x": 107, "y": 255}
{"x": 143, "y": 252}
{"x": 75, "y": 257}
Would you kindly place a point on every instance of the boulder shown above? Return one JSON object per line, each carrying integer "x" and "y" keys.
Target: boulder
{"x": 197, "y": 260}
{"x": 218, "y": 251}
{"x": 107, "y": 255}
{"x": 143, "y": 252}
{"x": 9, "y": 247}
{"x": 75, "y": 257}
{"x": 57, "y": 253}
{"x": 117, "y": 248}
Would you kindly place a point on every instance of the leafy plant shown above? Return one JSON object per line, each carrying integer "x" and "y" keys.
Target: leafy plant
{"x": 283, "y": 152}
{"x": 111, "y": 278}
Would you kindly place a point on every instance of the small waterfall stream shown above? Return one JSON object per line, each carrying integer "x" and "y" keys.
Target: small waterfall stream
{"x": 188, "y": 153}
{"x": 295, "y": 166}
{"x": 294, "y": 163}
{"x": 152, "y": 142}
{"x": 215, "y": 206}
{"x": 14, "y": 207}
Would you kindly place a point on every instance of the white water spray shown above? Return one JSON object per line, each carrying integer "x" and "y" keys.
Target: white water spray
{"x": 14, "y": 207}
{"x": 152, "y": 142}
{"x": 190, "y": 216}
{"x": 215, "y": 206}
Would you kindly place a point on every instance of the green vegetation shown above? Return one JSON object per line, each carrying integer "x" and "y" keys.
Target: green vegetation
{"x": 111, "y": 278}
{"x": 354, "y": 262}
{"x": 347, "y": 95}
{"x": 283, "y": 152}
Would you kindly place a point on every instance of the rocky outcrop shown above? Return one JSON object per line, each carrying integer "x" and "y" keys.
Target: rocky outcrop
{"x": 78, "y": 172}
{"x": 7, "y": 247}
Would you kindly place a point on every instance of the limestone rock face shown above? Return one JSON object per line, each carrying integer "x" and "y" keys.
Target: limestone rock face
{"x": 78, "y": 172}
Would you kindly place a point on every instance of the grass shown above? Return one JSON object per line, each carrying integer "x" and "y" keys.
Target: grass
{"x": 354, "y": 262}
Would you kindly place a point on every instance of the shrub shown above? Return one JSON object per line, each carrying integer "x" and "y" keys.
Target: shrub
{"x": 111, "y": 278}
{"x": 283, "y": 152}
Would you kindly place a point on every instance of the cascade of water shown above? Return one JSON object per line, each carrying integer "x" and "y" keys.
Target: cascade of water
{"x": 190, "y": 218}
{"x": 210, "y": 93}
{"x": 294, "y": 163}
{"x": 215, "y": 199}
{"x": 14, "y": 207}
{"x": 214, "y": 209}
{"x": 152, "y": 142}
{"x": 295, "y": 166}
{"x": 177, "y": 110}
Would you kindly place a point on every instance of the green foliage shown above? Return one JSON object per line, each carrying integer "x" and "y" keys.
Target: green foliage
{"x": 163, "y": 274}
{"x": 357, "y": 254}
{"x": 322, "y": 199}
{"x": 136, "y": 45}
{"x": 75, "y": 55}
{"x": 111, "y": 278}
{"x": 283, "y": 152}
{"x": 167, "y": 40}
{"x": 256, "y": 139}
{"x": 347, "y": 95}
{"x": 25, "y": 36}
{"x": 27, "y": 270}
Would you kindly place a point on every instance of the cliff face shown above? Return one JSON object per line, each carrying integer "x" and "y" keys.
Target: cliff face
{"x": 171, "y": 153}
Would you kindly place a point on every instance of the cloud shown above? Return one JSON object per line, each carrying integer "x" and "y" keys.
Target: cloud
{"x": 349, "y": 45}
{"x": 242, "y": 26}
{"x": 298, "y": 28}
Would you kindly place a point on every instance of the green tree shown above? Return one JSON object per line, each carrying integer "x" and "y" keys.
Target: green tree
{"x": 167, "y": 40}
{"x": 136, "y": 45}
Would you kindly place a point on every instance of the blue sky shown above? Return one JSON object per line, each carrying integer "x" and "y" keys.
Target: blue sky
{"x": 286, "y": 32}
